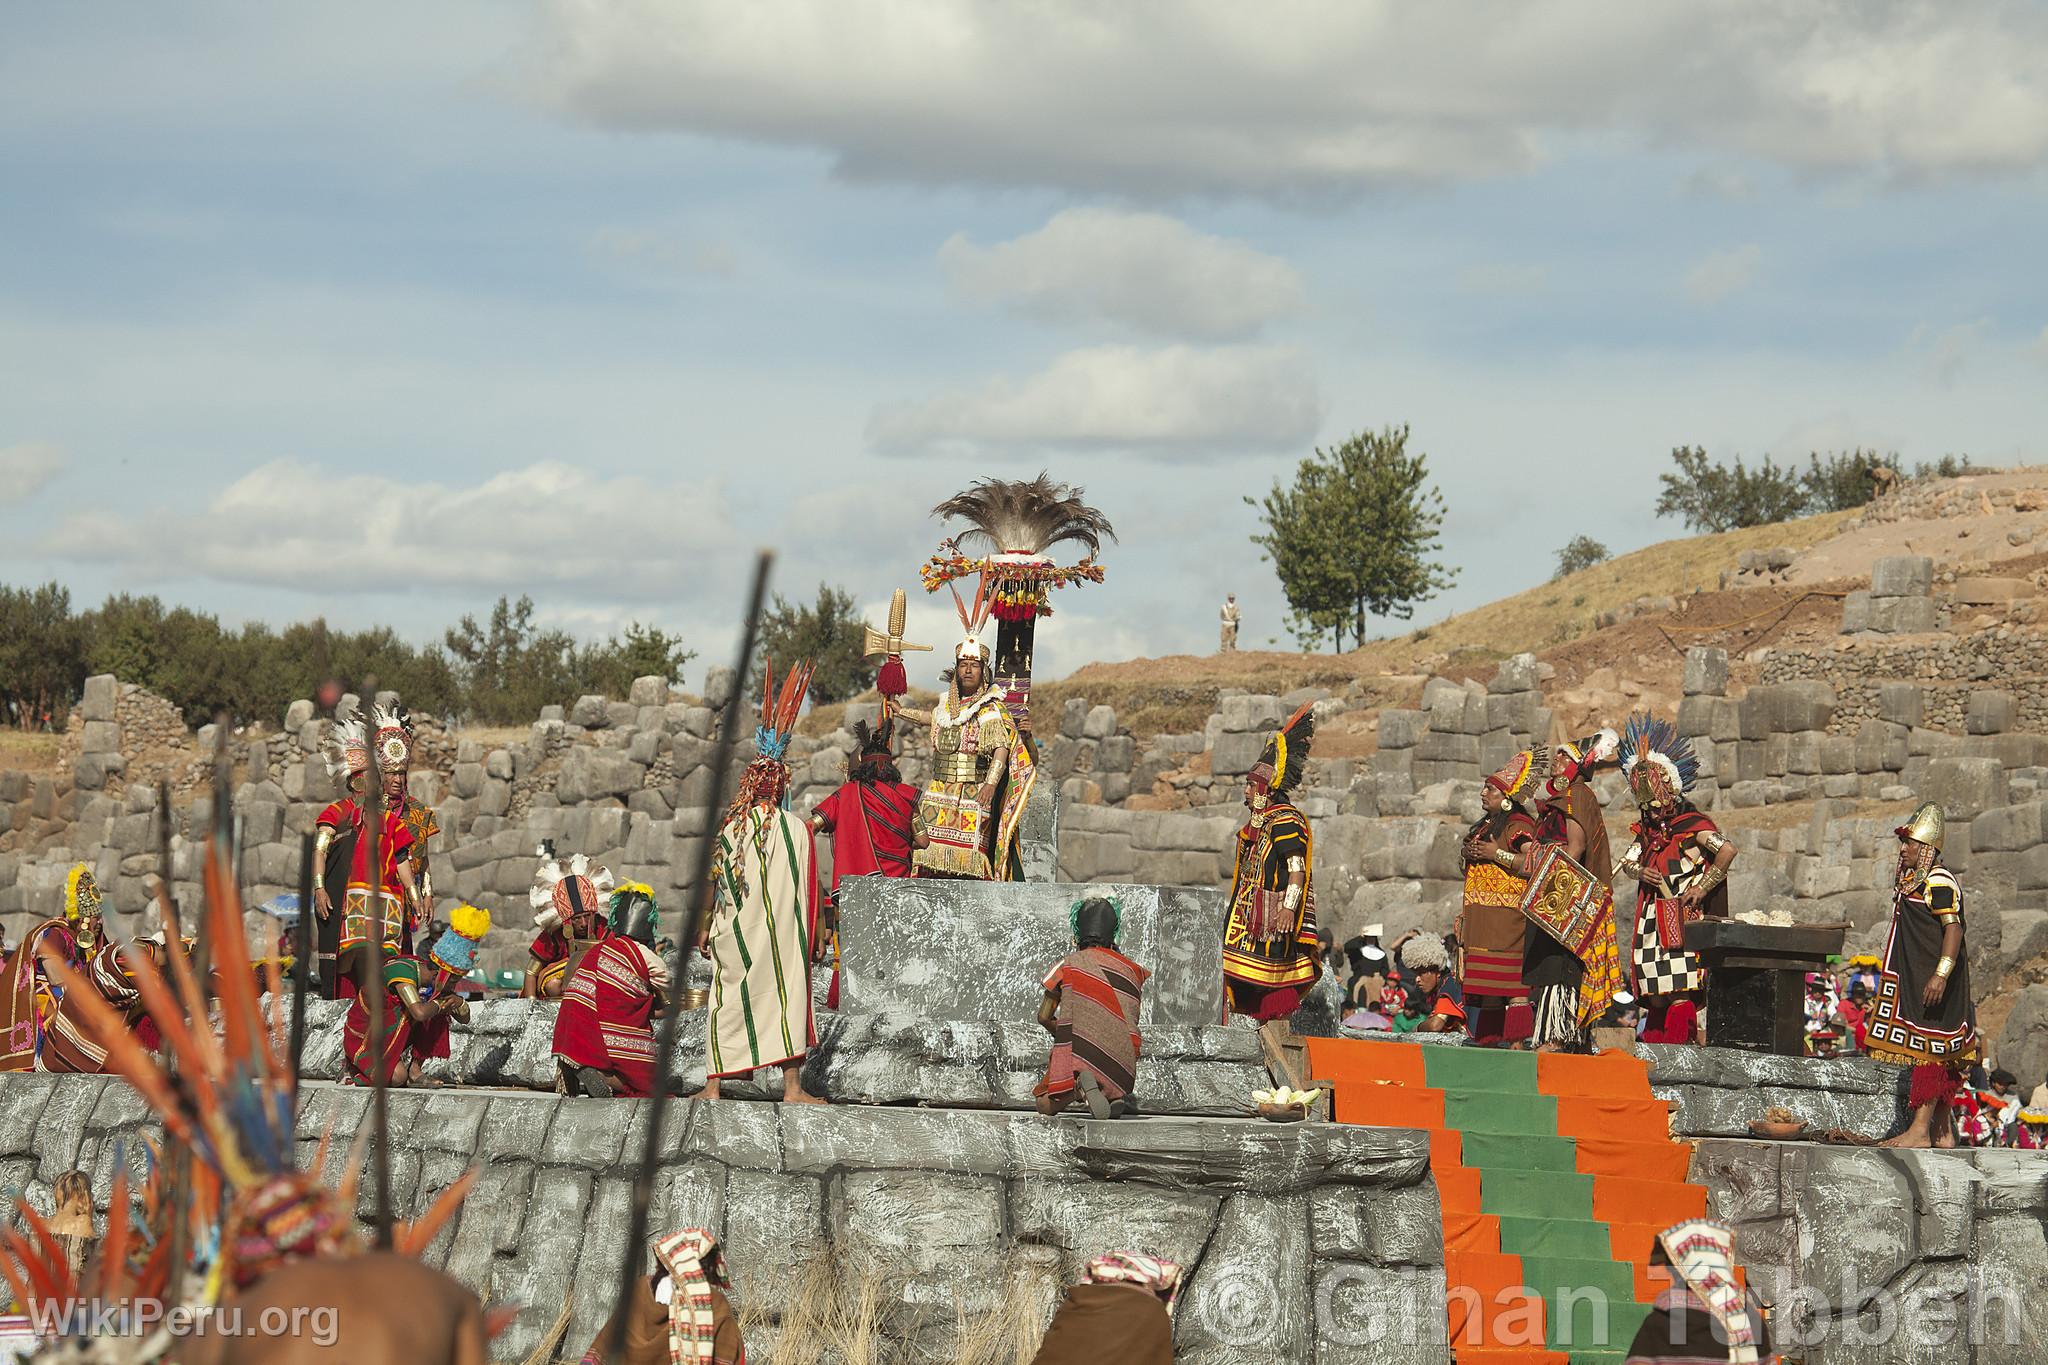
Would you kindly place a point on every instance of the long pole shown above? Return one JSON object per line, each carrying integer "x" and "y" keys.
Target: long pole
{"x": 373, "y": 989}
{"x": 304, "y": 942}
{"x": 696, "y": 897}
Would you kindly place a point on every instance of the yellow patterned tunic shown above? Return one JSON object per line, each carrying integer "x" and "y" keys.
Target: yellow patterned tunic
{"x": 974, "y": 744}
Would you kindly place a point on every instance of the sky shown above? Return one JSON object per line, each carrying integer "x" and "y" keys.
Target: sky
{"x": 381, "y": 311}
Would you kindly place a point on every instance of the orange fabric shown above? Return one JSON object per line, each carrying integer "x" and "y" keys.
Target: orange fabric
{"x": 1643, "y": 1120}
{"x": 1356, "y": 1059}
{"x": 1389, "y": 1106}
{"x": 1471, "y": 1232}
{"x": 1637, "y": 1160}
{"x": 1614, "y": 1074}
{"x": 1664, "y": 1202}
{"x": 1489, "y": 1305}
{"x": 1457, "y": 1189}
{"x": 1446, "y": 1147}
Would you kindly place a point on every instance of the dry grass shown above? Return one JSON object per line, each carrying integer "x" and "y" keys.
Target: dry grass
{"x": 841, "y": 1319}
{"x": 1557, "y": 611}
{"x": 28, "y": 751}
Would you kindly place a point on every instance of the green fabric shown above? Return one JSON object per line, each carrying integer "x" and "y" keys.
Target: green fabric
{"x": 1406, "y": 1023}
{"x": 1521, "y": 1235}
{"x": 1495, "y": 1111}
{"x": 1522, "y": 1150}
{"x": 1479, "y": 1068}
{"x": 1529, "y": 1180}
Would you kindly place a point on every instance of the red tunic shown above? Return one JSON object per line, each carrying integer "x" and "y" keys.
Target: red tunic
{"x": 403, "y": 1039}
{"x": 870, "y": 827}
{"x": 346, "y": 816}
{"x": 607, "y": 1009}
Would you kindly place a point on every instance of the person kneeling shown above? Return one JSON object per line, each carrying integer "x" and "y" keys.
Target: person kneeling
{"x": 604, "y": 1032}
{"x": 1091, "y": 1010}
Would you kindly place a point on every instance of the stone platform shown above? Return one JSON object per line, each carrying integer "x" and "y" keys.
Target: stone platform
{"x": 1306, "y": 1244}
{"x": 980, "y": 950}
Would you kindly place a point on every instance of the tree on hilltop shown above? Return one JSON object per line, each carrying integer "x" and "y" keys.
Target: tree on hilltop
{"x": 828, "y": 632}
{"x": 1354, "y": 536}
{"x": 1711, "y": 497}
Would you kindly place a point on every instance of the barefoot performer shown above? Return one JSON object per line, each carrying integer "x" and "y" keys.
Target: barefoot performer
{"x": 1924, "y": 1017}
{"x": 761, "y": 935}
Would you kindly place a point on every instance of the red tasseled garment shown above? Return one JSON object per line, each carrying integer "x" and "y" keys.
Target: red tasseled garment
{"x": 606, "y": 1011}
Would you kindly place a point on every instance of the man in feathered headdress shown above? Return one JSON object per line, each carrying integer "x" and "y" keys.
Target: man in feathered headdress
{"x": 1924, "y": 1016}
{"x": 419, "y": 820}
{"x": 1014, "y": 523}
{"x": 69, "y": 1043}
{"x": 982, "y": 769}
{"x": 762, "y": 932}
{"x": 1493, "y": 935}
{"x": 569, "y": 913}
{"x": 604, "y": 1032}
{"x": 1567, "y": 818}
{"x": 869, "y": 819}
{"x": 1270, "y": 951}
{"x": 374, "y": 901}
{"x": 1680, "y": 859}
{"x": 30, "y": 997}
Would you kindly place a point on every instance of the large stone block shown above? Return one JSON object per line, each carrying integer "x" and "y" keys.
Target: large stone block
{"x": 1902, "y": 576}
{"x": 1401, "y": 729}
{"x": 1242, "y": 714}
{"x": 980, "y": 950}
{"x": 1991, "y": 712}
{"x": 1236, "y": 752}
{"x": 1964, "y": 786}
{"x": 1902, "y": 703}
{"x": 589, "y": 773}
{"x": 1903, "y": 615}
{"x": 1517, "y": 673}
{"x": 102, "y": 692}
{"x": 1706, "y": 671}
{"x": 2006, "y": 828}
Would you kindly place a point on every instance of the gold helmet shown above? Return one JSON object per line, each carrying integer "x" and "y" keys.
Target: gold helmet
{"x": 1925, "y": 826}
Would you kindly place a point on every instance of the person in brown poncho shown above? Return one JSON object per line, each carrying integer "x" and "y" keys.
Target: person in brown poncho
{"x": 1120, "y": 1312}
{"x": 679, "y": 1313}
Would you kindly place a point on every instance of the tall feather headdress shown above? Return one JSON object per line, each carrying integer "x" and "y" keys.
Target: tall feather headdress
{"x": 1025, "y": 517}
{"x": 560, "y": 890}
{"x": 1656, "y": 741}
{"x": 780, "y": 708}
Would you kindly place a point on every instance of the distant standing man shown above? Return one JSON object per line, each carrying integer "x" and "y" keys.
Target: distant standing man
{"x": 1229, "y": 618}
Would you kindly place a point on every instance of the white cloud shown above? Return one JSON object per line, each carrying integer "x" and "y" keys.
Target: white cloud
{"x": 547, "y": 526}
{"x": 1325, "y": 96}
{"x": 1142, "y": 271}
{"x": 26, "y": 469}
{"x": 1502, "y": 280}
{"x": 1178, "y": 399}
{"x": 661, "y": 257}
{"x": 1945, "y": 351}
{"x": 1722, "y": 274}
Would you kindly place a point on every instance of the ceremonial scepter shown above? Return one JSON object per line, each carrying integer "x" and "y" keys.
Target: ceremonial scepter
{"x": 696, "y": 897}
{"x": 891, "y": 680}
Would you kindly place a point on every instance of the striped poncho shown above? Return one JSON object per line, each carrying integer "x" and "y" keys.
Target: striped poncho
{"x": 761, "y": 934}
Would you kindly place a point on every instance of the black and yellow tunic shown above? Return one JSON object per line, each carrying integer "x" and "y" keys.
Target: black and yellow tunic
{"x": 1268, "y": 949}
{"x": 1901, "y": 1029}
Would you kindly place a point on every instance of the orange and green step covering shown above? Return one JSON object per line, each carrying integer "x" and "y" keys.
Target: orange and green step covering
{"x": 1555, "y": 1172}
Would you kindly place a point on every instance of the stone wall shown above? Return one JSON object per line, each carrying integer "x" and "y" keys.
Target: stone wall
{"x": 1917, "y": 1258}
{"x": 1306, "y": 1244}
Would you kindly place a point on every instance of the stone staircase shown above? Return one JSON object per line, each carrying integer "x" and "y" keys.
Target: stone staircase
{"x": 1556, "y": 1174}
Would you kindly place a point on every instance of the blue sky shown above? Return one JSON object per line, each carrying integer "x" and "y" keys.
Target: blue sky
{"x": 380, "y": 311}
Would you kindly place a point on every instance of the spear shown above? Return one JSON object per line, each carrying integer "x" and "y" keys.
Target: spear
{"x": 373, "y": 989}
{"x": 696, "y": 895}
{"x": 303, "y": 948}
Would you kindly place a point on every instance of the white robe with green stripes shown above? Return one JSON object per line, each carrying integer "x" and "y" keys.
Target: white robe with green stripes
{"x": 761, "y": 944}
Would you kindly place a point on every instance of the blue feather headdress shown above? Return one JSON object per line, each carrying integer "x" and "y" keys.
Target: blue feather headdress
{"x": 1651, "y": 739}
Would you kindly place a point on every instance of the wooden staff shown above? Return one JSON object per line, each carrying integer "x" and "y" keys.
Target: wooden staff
{"x": 380, "y": 1124}
{"x": 696, "y": 896}
{"x": 304, "y": 944}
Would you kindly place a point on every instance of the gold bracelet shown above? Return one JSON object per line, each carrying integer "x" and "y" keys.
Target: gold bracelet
{"x": 1944, "y": 967}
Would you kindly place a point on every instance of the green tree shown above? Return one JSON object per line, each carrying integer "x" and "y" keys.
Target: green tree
{"x": 42, "y": 659}
{"x": 828, "y": 633}
{"x": 1354, "y": 536}
{"x": 1580, "y": 552}
{"x": 509, "y": 668}
{"x": 1947, "y": 467}
{"x": 1843, "y": 480}
{"x": 1711, "y": 497}
{"x": 644, "y": 652}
